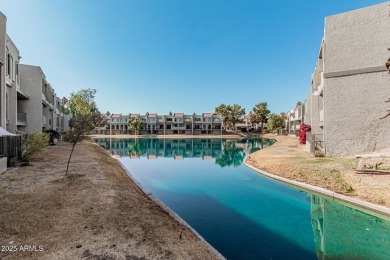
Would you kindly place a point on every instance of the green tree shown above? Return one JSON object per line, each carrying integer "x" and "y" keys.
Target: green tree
{"x": 108, "y": 113}
{"x": 231, "y": 114}
{"x": 84, "y": 117}
{"x": 260, "y": 113}
{"x": 135, "y": 124}
{"x": 236, "y": 114}
{"x": 276, "y": 122}
{"x": 223, "y": 112}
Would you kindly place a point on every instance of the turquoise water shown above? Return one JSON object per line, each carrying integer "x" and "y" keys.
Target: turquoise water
{"x": 243, "y": 214}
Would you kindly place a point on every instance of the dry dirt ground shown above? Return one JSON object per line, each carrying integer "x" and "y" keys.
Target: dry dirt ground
{"x": 97, "y": 212}
{"x": 289, "y": 159}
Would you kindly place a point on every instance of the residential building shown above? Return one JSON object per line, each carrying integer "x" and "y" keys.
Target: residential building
{"x": 40, "y": 106}
{"x": 118, "y": 124}
{"x": 3, "y": 37}
{"x": 294, "y": 118}
{"x": 346, "y": 105}
{"x": 177, "y": 123}
{"x": 12, "y": 83}
{"x": 27, "y": 100}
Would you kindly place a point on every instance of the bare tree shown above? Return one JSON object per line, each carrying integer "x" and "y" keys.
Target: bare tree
{"x": 84, "y": 117}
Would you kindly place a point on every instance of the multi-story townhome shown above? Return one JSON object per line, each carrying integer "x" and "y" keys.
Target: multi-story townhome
{"x": 27, "y": 101}
{"x": 176, "y": 123}
{"x": 9, "y": 80}
{"x": 346, "y": 105}
{"x": 246, "y": 125}
{"x": 40, "y": 105}
{"x": 12, "y": 82}
{"x": 58, "y": 116}
{"x": 294, "y": 118}
{"x": 3, "y": 37}
{"x": 118, "y": 124}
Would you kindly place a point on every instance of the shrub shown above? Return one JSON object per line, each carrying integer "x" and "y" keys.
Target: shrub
{"x": 302, "y": 133}
{"x": 318, "y": 153}
{"x": 35, "y": 143}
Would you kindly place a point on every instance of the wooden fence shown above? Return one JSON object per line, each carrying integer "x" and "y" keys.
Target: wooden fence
{"x": 11, "y": 147}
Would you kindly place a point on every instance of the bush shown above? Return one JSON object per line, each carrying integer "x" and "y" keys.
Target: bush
{"x": 35, "y": 143}
{"x": 318, "y": 153}
{"x": 302, "y": 133}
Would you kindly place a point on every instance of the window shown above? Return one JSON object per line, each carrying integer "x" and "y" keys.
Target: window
{"x": 8, "y": 64}
{"x": 49, "y": 121}
{"x": 169, "y": 119}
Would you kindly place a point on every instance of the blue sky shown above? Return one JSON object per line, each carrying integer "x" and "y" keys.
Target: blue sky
{"x": 174, "y": 55}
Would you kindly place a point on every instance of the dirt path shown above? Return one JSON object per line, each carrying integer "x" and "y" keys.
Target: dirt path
{"x": 289, "y": 159}
{"x": 96, "y": 213}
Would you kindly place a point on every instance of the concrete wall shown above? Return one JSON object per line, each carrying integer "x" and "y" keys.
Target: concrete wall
{"x": 31, "y": 80}
{"x": 356, "y": 81}
{"x": 316, "y": 106}
{"x": 357, "y": 40}
{"x": 354, "y": 106}
{"x": 3, "y": 22}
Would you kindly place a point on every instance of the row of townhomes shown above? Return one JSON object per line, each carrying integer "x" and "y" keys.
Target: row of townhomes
{"x": 28, "y": 102}
{"x": 346, "y": 105}
{"x": 294, "y": 118}
{"x": 177, "y": 123}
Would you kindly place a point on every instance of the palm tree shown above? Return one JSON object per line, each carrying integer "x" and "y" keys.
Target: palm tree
{"x": 135, "y": 124}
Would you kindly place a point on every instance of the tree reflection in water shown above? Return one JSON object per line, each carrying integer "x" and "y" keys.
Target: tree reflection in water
{"x": 231, "y": 155}
{"x": 134, "y": 149}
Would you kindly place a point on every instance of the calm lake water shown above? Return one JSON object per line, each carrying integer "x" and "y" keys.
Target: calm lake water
{"x": 243, "y": 214}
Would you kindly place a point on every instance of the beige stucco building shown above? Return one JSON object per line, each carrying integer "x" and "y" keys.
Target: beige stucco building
{"x": 3, "y": 36}
{"x": 350, "y": 83}
{"x": 27, "y": 100}
{"x": 294, "y": 118}
{"x": 44, "y": 107}
{"x": 152, "y": 123}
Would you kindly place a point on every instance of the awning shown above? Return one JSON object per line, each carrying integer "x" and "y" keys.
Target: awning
{"x": 4, "y": 132}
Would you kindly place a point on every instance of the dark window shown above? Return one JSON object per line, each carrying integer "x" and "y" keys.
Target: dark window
{"x": 8, "y": 64}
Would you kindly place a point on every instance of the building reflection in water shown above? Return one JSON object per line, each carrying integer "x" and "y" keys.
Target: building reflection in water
{"x": 342, "y": 232}
{"x": 225, "y": 152}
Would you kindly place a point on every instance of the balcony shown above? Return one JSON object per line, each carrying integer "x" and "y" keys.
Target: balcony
{"x": 21, "y": 118}
{"x": 22, "y": 95}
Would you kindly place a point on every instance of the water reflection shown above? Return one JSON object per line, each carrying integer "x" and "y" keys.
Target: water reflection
{"x": 225, "y": 152}
{"x": 342, "y": 232}
{"x": 224, "y": 201}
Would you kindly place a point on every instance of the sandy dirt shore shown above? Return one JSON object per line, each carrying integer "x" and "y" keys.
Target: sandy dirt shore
{"x": 287, "y": 158}
{"x": 96, "y": 212}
